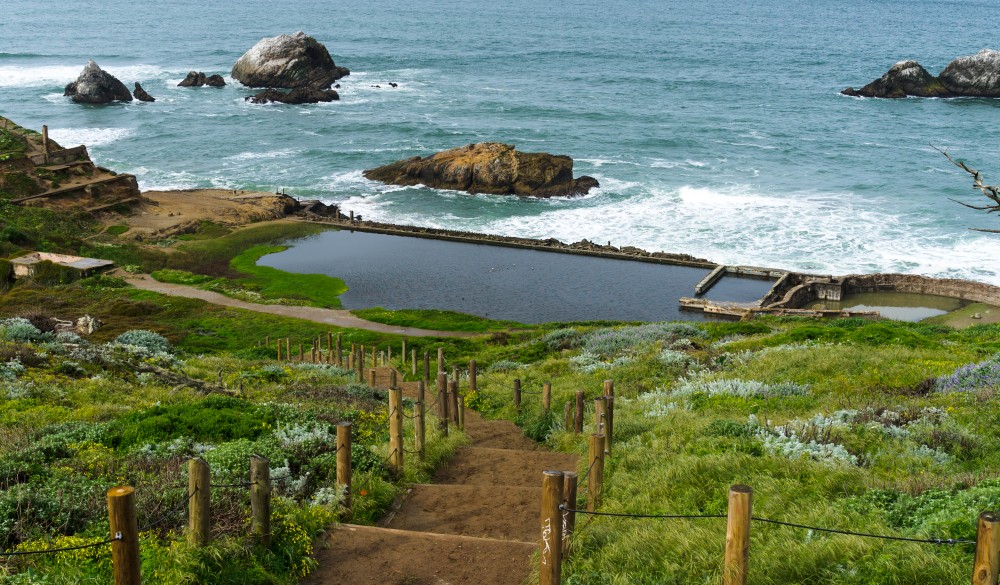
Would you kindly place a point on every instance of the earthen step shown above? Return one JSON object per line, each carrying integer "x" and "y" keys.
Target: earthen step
{"x": 366, "y": 555}
{"x": 506, "y": 513}
{"x": 503, "y": 467}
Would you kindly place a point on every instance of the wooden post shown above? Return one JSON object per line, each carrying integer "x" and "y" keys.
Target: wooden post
{"x": 568, "y": 415}
{"x": 546, "y": 396}
{"x": 473, "y": 382}
{"x": 419, "y": 422}
{"x": 359, "y": 362}
{"x": 288, "y": 349}
{"x": 609, "y": 387}
{"x": 442, "y": 399}
{"x": 517, "y": 395}
{"x": 440, "y": 360}
{"x": 453, "y": 401}
{"x": 350, "y": 361}
{"x": 550, "y": 560}
{"x": 599, "y": 415}
{"x": 313, "y": 352}
{"x": 578, "y": 419}
{"x": 461, "y": 412}
{"x": 402, "y": 354}
{"x": 396, "y": 430}
{"x": 986, "y": 566}
{"x": 344, "y": 461}
{"x": 329, "y": 342}
{"x": 596, "y": 476}
{"x": 388, "y": 355}
{"x": 371, "y": 377}
{"x": 125, "y": 528}
{"x": 737, "y": 557}
{"x": 267, "y": 341}
{"x": 427, "y": 368}
{"x": 381, "y": 358}
{"x": 260, "y": 499}
{"x": 302, "y": 351}
{"x": 45, "y": 142}
{"x": 279, "y": 351}
{"x": 609, "y": 422}
{"x": 374, "y": 357}
{"x": 340, "y": 350}
{"x": 413, "y": 361}
{"x": 199, "y": 501}
{"x": 392, "y": 378}
{"x": 569, "y": 503}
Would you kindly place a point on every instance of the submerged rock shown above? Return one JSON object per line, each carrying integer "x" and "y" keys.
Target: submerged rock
{"x": 972, "y": 76}
{"x": 903, "y": 79}
{"x": 488, "y": 167}
{"x": 307, "y": 95}
{"x": 141, "y": 95}
{"x": 975, "y": 75}
{"x": 96, "y": 86}
{"x": 288, "y": 61}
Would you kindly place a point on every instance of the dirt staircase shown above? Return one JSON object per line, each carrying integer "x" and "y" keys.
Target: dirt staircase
{"x": 478, "y": 523}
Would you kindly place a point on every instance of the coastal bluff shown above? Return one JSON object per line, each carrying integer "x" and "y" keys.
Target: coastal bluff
{"x": 970, "y": 76}
{"x": 488, "y": 167}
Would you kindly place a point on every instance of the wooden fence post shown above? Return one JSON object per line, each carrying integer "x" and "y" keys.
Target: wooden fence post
{"x": 442, "y": 399}
{"x": 546, "y": 396}
{"x": 260, "y": 499}
{"x": 359, "y": 362}
{"x": 402, "y": 354}
{"x": 388, "y": 355}
{"x": 599, "y": 415}
{"x": 609, "y": 387}
{"x": 737, "y": 556}
{"x": 396, "y": 430}
{"x": 517, "y": 395}
{"x": 340, "y": 350}
{"x": 350, "y": 361}
{"x": 419, "y": 422}
{"x": 595, "y": 465}
{"x": 279, "y": 350}
{"x": 578, "y": 419}
{"x": 473, "y": 382}
{"x": 427, "y": 369}
{"x": 568, "y": 415}
{"x": 441, "y": 360}
{"x": 987, "y": 561}
{"x": 609, "y": 422}
{"x": 413, "y": 361}
{"x": 453, "y": 398}
{"x": 344, "y": 461}
{"x": 125, "y": 528}
{"x": 550, "y": 560}
{"x": 371, "y": 377}
{"x": 569, "y": 504}
{"x": 461, "y": 412}
{"x": 199, "y": 502}
{"x": 375, "y": 357}
{"x": 392, "y": 378}
{"x": 288, "y": 349}
{"x": 302, "y": 351}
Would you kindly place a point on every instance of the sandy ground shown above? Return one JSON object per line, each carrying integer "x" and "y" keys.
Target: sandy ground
{"x": 164, "y": 213}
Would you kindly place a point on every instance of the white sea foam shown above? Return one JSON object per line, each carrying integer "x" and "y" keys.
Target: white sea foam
{"x": 60, "y": 75}
{"x": 250, "y": 155}
{"x": 68, "y": 137}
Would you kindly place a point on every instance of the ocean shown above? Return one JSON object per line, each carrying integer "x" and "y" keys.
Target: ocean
{"x": 715, "y": 128}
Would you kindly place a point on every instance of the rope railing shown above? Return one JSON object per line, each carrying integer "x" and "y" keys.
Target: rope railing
{"x": 25, "y": 553}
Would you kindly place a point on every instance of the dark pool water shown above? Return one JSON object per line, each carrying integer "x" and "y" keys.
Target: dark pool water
{"x": 741, "y": 289}
{"x": 895, "y": 305}
{"x": 529, "y": 286}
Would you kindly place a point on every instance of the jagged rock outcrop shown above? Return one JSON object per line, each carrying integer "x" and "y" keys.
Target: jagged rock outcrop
{"x": 306, "y": 95}
{"x": 975, "y": 75}
{"x": 96, "y": 86}
{"x": 288, "y": 61}
{"x": 198, "y": 79}
{"x": 972, "y": 76}
{"x": 488, "y": 167}
{"x": 141, "y": 95}
{"x": 903, "y": 79}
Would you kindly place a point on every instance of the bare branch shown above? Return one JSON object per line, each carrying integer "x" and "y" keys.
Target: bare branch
{"x": 991, "y": 192}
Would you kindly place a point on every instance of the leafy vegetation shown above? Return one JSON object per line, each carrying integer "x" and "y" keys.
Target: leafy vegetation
{"x": 435, "y": 320}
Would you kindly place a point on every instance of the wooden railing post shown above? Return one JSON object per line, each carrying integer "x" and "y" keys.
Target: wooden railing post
{"x": 550, "y": 559}
{"x": 413, "y": 362}
{"x": 987, "y": 562}
{"x": 609, "y": 387}
{"x": 461, "y": 411}
{"x": 595, "y": 464}
{"x": 578, "y": 419}
{"x": 609, "y": 423}
{"x": 568, "y": 415}
{"x": 125, "y": 530}
{"x": 393, "y": 382}
{"x": 402, "y": 354}
{"x": 473, "y": 382}
{"x": 546, "y": 396}
{"x": 279, "y": 350}
{"x": 737, "y": 557}
{"x": 396, "y": 430}
{"x": 340, "y": 350}
{"x": 517, "y": 395}
{"x": 440, "y": 360}
{"x": 427, "y": 369}
{"x": 442, "y": 399}
{"x": 372, "y": 373}
{"x": 453, "y": 398}
{"x": 288, "y": 349}
{"x": 599, "y": 415}
{"x": 419, "y": 422}
{"x": 375, "y": 357}
{"x": 199, "y": 502}
{"x": 344, "y": 461}
{"x": 260, "y": 499}
{"x": 569, "y": 504}
{"x": 302, "y": 351}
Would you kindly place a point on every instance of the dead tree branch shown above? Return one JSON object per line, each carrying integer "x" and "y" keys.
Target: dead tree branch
{"x": 991, "y": 192}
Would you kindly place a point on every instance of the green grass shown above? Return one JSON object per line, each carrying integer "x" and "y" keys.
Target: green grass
{"x": 318, "y": 289}
{"x": 12, "y": 145}
{"x": 116, "y": 230}
{"x": 436, "y": 320}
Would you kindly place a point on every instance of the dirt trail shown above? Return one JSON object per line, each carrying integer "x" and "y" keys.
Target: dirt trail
{"x": 336, "y": 317}
{"x": 478, "y": 524}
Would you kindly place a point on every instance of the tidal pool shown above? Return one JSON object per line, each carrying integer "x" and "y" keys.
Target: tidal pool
{"x": 529, "y": 286}
{"x": 895, "y": 305}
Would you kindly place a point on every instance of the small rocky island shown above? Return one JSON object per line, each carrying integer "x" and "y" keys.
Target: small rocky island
{"x": 971, "y": 76}
{"x": 294, "y": 62}
{"x": 488, "y": 167}
{"x": 97, "y": 86}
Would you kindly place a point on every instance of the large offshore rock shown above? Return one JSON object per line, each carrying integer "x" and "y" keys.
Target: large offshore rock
{"x": 488, "y": 167}
{"x": 975, "y": 75}
{"x": 288, "y": 61}
{"x": 96, "y": 86}
{"x": 306, "y": 95}
{"x": 903, "y": 79}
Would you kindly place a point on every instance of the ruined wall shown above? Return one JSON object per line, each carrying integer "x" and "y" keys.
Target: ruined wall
{"x": 966, "y": 290}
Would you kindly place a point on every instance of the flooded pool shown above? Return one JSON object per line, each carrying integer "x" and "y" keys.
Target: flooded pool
{"x": 529, "y": 286}
{"x": 895, "y": 305}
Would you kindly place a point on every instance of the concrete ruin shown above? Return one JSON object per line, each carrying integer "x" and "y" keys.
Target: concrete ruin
{"x": 25, "y": 266}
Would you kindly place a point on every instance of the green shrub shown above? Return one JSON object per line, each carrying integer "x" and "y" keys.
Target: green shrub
{"x": 154, "y": 342}
{"x": 214, "y": 419}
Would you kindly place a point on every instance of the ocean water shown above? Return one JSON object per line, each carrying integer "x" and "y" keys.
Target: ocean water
{"x": 715, "y": 128}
